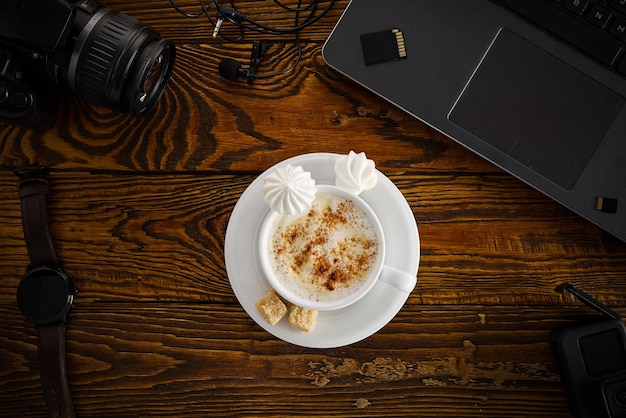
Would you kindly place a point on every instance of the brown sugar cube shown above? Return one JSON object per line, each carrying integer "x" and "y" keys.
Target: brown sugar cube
{"x": 271, "y": 307}
{"x": 302, "y": 318}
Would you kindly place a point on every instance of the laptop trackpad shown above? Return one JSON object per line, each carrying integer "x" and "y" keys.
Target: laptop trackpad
{"x": 534, "y": 107}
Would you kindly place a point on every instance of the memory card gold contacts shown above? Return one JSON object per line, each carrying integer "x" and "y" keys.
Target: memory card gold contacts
{"x": 383, "y": 46}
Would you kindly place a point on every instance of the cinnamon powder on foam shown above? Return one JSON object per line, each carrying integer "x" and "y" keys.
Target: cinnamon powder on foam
{"x": 328, "y": 250}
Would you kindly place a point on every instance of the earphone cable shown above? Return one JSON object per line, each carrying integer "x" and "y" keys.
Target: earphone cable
{"x": 244, "y": 23}
{"x": 254, "y": 25}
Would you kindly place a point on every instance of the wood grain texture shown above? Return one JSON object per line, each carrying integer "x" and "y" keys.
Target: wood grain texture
{"x": 205, "y": 123}
{"x": 143, "y": 233}
{"x": 139, "y": 210}
{"x": 168, "y": 360}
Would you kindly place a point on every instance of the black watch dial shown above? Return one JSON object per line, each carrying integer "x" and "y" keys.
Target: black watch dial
{"x": 45, "y": 295}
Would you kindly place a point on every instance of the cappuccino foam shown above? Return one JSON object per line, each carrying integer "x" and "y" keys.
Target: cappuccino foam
{"x": 326, "y": 253}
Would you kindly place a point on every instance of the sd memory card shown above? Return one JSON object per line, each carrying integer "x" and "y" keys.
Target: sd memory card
{"x": 383, "y": 46}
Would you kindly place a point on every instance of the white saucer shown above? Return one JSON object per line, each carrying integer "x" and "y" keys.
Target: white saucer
{"x": 334, "y": 328}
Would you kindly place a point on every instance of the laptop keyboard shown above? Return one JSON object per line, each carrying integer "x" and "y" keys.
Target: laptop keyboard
{"x": 596, "y": 28}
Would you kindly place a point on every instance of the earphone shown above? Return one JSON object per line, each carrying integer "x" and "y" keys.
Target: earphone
{"x": 231, "y": 69}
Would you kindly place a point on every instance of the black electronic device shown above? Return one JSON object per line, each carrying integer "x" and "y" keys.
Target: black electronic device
{"x": 108, "y": 57}
{"x": 231, "y": 69}
{"x": 592, "y": 357}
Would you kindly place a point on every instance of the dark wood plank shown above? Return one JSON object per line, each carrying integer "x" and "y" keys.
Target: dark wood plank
{"x": 484, "y": 239}
{"x": 212, "y": 360}
{"x": 207, "y": 123}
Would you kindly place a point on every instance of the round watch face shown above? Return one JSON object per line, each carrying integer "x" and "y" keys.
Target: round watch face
{"x": 45, "y": 294}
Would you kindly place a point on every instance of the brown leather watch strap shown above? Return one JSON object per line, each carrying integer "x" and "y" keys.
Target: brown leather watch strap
{"x": 44, "y": 271}
{"x": 34, "y": 189}
{"x": 51, "y": 343}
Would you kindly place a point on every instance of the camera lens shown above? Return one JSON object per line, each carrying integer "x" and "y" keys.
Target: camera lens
{"x": 120, "y": 63}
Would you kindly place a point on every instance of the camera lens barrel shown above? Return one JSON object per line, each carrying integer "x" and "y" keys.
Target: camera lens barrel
{"x": 118, "y": 62}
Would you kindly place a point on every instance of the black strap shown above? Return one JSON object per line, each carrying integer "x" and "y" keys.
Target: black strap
{"x": 51, "y": 350}
{"x": 34, "y": 189}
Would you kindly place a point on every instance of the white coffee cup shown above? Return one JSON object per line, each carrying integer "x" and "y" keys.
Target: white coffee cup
{"x": 329, "y": 257}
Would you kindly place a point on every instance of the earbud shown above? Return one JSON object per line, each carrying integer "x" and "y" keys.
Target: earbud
{"x": 232, "y": 69}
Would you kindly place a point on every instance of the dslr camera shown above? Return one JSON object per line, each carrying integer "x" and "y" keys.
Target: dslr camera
{"x": 592, "y": 357}
{"x": 107, "y": 57}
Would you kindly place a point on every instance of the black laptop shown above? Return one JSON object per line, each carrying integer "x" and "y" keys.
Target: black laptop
{"x": 537, "y": 87}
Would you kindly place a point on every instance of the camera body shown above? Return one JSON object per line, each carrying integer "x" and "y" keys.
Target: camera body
{"x": 108, "y": 57}
{"x": 592, "y": 358}
{"x": 24, "y": 96}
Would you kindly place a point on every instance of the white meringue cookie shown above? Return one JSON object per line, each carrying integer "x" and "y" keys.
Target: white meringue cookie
{"x": 289, "y": 190}
{"x": 355, "y": 173}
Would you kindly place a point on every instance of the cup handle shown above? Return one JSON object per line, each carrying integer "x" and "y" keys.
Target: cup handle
{"x": 397, "y": 278}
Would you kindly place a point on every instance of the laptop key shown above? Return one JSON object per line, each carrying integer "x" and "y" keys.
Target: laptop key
{"x": 576, "y": 6}
{"x": 568, "y": 28}
{"x": 620, "y": 5}
{"x": 618, "y": 28}
{"x": 599, "y": 16}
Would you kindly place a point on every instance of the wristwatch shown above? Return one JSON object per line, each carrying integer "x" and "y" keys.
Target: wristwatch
{"x": 45, "y": 293}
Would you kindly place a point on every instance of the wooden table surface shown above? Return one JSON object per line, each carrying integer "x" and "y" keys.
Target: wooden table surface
{"x": 139, "y": 209}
